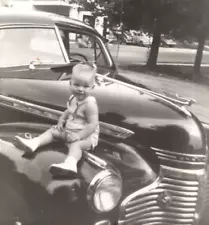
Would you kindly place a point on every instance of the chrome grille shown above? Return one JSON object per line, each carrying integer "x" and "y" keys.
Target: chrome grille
{"x": 205, "y": 212}
{"x": 171, "y": 200}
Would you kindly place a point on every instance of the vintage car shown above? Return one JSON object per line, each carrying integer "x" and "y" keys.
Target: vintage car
{"x": 150, "y": 166}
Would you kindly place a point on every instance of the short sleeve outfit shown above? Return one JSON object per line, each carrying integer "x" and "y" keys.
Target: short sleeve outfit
{"x": 77, "y": 121}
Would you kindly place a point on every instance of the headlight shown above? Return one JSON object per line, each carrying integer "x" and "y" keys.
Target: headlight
{"x": 104, "y": 191}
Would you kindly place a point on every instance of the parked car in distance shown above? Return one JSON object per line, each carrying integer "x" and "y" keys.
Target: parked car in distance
{"x": 167, "y": 41}
{"x": 151, "y": 163}
{"x": 140, "y": 38}
{"x": 121, "y": 37}
{"x": 128, "y": 38}
{"x": 111, "y": 38}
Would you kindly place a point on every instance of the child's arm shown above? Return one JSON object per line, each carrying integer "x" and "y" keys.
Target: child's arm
{"x": 92, "y": 115}
{"x": 62, "y": 119}
{"x": 64, "y": 116}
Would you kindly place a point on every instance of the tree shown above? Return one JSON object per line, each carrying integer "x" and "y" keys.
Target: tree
{"x": 202, "y": 32}
{"x": 168, "y": 16}
{"x": 195, "y": 25}
{"x": 111, "y": 9}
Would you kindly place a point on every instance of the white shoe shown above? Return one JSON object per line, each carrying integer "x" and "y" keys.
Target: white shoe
{"x": 22, "y": 143}
{"x": 63, "y": 170}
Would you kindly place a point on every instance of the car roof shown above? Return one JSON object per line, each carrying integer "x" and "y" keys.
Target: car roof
{"x": 10, "y": 16}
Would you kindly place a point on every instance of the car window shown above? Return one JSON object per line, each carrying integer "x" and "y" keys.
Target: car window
{"x": 29, "y": 44}
{"x": 84, "y": 47}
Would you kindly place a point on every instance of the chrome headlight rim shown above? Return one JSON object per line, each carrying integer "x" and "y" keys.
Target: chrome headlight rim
{"x": 96, "y": 181}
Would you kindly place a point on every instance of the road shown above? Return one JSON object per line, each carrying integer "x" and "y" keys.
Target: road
{"x": 127, "y": 55}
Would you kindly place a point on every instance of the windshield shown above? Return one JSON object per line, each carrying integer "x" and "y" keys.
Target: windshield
{"x": 20, "y": 46}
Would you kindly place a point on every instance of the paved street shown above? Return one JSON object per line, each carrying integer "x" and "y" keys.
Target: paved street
{"x": 135, "y": 55}
{"x": 189, "y": 89}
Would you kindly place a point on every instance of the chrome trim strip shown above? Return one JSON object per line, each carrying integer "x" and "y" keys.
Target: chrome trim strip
{"x": 178, "y": 188}
{"x": 95, "y": 160}
{"x": 46, "y": 112}
{"x": 176, "y": 153}
{"x": 179, "y": 161}
{"x": 30, "y": 25}
{"x": 165, "y": 155}
{"x": 61, "y": 44}
{"x": 175, "y": 192}
{"x": 198, "y": 172}
{"x": 29, "y": 107}
{"x": 103, "y": 222}
{"x": 115, "y": 131}
{"x": 106, "y": 52}
{"x": 181, "y": 182}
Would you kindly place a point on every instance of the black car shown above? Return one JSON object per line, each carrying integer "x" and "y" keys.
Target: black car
{"x": 151, "y": 162}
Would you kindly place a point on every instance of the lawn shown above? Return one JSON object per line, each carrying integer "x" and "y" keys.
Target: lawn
{"x": 179, "y": 72}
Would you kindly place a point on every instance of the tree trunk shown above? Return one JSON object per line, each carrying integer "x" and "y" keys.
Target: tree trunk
{"x": 198, "y": 59}
{"x": 203, "y": 7}
{"x": 153, "y": 54}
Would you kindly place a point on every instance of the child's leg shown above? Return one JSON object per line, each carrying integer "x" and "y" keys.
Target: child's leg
{"x": 69, "y": 166}
{"x": 43, "y": 139}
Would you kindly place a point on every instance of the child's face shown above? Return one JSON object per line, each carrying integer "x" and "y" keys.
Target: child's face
{"x": 81, "y": 85}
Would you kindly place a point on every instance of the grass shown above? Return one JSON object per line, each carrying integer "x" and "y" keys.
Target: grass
{"x": 179, "y": 72}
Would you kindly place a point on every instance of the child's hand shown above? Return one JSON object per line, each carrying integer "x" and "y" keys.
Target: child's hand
{"x": 72, "y": 137}
{"x": 60, "y": 125}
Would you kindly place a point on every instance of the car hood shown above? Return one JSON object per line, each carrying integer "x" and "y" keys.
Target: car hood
{"x": 155, "y": 121}
{"x": 169, "y": 95}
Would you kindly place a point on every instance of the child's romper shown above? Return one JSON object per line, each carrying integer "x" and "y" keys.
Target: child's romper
{"x": 77, "y": 121}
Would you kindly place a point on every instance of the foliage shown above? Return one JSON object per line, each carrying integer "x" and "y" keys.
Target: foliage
{"x": 111, "y": 9}
{"x": 183, "y": 19}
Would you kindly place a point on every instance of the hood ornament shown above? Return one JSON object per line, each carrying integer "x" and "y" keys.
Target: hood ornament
{"x": 176, "y": 98}
{"x": 188, "y": 101}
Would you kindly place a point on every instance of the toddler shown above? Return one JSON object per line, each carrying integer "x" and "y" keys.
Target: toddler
{"x": 78, "y": 126}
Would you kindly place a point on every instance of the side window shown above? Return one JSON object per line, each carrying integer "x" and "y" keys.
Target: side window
{"x": 84, "y": 47}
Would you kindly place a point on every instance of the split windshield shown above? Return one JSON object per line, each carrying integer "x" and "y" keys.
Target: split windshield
{"x": 19, "y": 46}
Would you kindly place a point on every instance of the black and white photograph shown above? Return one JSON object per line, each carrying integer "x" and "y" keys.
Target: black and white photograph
{"x": 104, "y": 112}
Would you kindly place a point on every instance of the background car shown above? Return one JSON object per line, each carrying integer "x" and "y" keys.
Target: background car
{"x": 140, "y": 38}
{"x": 119, "y": 36}
{"x": 167, "y": 41}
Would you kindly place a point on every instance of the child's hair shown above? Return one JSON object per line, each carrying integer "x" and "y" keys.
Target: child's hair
{"x": 85, "y": 67}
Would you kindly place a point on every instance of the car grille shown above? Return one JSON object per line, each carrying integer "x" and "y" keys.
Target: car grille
{"x": 204, "y": 220}
{"x": 171, "y": 200}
